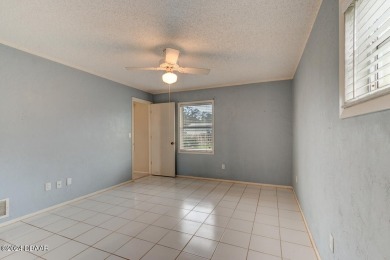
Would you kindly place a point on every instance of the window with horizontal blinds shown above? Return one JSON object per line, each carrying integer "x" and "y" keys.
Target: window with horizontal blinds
{"x": 367, "y": 49}
{"x": 196, "y": 127}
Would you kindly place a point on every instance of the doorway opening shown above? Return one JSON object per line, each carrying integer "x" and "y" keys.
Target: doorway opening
{"x": 141, "y": 146}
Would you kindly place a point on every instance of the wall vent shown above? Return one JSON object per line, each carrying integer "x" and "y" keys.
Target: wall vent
{"x": 4, "y": 208}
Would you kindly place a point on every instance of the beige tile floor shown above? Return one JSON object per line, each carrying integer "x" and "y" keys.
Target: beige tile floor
{"x": 168, "y": 218}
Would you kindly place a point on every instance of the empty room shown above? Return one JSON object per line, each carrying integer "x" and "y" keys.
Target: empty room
{"x": 194, "y": 130}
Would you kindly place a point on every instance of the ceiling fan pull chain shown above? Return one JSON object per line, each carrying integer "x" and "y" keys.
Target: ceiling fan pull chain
{"x": 169, "y": 114}
{"x": 169, "y": 93}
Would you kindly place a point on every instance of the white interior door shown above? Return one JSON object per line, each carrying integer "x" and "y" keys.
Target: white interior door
{"x": 163, "y": 139}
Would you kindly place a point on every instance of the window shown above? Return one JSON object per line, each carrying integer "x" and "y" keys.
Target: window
{"x": 196, "y": 127}
{"x": 366, "y": 56}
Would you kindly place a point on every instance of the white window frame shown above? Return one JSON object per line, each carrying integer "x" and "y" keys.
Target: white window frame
{"x": 368, "y": 104}
{"x": 180, "y": 122}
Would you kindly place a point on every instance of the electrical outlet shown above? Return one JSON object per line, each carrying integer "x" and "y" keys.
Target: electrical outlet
{"x": 223, "y": 166}
{"x": 47, "y": 186}
{"x": 59, "y": 184}
{"x": 331, "y": 243}
{"x": 68, "y": 181}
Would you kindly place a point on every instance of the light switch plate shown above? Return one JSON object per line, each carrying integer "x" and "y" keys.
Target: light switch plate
{"x": 47, "y": 186}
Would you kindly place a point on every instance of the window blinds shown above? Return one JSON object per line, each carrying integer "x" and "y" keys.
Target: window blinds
{"x": 367, "y": 48}
{"x": 196, "y": 127}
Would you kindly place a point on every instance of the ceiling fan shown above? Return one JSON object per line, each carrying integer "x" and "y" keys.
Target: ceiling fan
{"x": 169, "y": 65}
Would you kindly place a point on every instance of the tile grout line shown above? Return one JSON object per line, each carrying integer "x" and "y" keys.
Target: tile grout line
{"x": 313, "y": 244}
{"x": 192, "y": 235}
{"x": 165, "y": 234}
{"x": 224, "y": 230}
{"x": 280, "y": 232}
{"x": 219, "y": 242}
{"x": 251, "y": 234}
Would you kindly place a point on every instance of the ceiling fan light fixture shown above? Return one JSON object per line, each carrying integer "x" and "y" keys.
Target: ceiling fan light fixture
{"x": 169, "y": 77}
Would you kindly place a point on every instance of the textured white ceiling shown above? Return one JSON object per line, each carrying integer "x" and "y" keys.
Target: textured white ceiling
{"x": 240, "y": 41}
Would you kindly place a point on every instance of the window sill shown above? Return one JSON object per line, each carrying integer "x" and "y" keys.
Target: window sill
{"x": 365, "y": 107}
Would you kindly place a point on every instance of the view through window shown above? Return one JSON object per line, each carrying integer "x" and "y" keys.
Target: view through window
{"x": 196, "y": 127}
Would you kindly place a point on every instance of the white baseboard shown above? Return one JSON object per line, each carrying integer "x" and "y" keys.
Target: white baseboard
{"x": 307, "y": 228}
{"x": 240, "y": 182}
{"x": 61, "y": 204}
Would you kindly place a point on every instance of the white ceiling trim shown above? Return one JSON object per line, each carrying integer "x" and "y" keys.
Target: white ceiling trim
{"x": 100, "y": 75}
{"x": 178, "y": 89}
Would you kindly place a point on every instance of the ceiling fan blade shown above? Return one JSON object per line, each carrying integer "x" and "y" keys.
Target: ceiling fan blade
{"x": 171, "y": 55}
{"x": 144, "y": 68}
{"x": 194, "y": 71}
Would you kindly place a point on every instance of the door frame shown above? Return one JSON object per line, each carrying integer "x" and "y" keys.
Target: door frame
{"x": 137, "y": 100}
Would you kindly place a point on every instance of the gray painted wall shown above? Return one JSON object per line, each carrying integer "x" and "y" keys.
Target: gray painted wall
{"x": 253, "y": 133}
{"x": 343, "y": 166}
{"x": 58, "y": 122}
